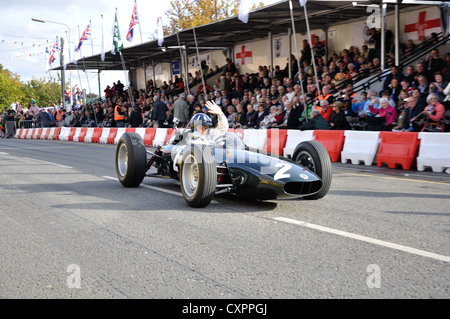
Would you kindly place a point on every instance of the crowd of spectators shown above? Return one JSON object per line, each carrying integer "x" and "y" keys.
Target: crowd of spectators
{"x": 412, "y": 101}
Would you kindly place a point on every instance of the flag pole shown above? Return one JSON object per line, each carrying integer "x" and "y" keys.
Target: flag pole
{"x": 298, "y": 60}
{"x": 92, "y": 38}
{"x": 116, "y": 47}
{"x": 184, "y": 59}
{"x": 198, "y": 60}
{"x": 78, "y": 70}
{"x": 140, "y": 31}
{"x": 312, "y": 51}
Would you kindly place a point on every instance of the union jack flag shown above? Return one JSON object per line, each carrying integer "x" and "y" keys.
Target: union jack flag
{"x": 52, "y": 53}
{"x": 134, "y": 21}
{"x": 191, "y": 1}
{"x": 86, "y": 36}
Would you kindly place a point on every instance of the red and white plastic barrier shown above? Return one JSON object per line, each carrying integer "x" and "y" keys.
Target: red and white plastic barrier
{"x": 390, "y": 148}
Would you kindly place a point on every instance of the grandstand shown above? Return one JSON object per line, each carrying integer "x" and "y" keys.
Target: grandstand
{"x": 383, "y": 33}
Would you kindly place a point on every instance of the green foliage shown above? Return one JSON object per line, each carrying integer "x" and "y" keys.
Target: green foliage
{"x": 45, "y": 92}
{"x": 183, "y": 16}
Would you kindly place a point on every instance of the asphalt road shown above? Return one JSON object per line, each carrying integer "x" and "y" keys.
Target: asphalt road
{"x": 70, "y": 230}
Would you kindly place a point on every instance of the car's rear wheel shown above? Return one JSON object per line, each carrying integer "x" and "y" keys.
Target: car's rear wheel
{"x": 131, "y": 158}
{"x": 314, "y": 157}
{"x": 198, "y": 176}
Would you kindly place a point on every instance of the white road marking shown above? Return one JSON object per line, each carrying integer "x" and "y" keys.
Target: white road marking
{"x": 47, "y": 163}
{"x": 2, "y": 153}
{"x": 365, "y": 239}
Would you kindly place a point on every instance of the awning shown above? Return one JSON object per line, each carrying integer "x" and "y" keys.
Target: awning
{"x": 227, "y": 33}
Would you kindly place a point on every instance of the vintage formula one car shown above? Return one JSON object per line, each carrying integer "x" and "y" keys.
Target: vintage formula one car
{"x": 206, "y": 168}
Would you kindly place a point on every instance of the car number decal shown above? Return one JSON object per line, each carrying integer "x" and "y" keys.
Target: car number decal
{"x": 282, "y": 171}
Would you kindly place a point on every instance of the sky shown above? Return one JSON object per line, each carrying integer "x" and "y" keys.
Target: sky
{"x": 23, "y": 41}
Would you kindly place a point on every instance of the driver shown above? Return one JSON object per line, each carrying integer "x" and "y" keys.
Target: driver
{"x": 201, "y": 122}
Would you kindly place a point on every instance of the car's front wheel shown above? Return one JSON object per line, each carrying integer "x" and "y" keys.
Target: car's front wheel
{"x": 314, "y": 157}
{"x": 131, "y": 159}
{"x": 198, "y": 176}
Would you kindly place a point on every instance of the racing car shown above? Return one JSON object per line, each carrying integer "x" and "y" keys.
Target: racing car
{"x": 224, "y": 165}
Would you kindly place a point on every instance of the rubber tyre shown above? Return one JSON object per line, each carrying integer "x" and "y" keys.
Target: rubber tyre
{"x": 198, "y": 176}
{"x": 314, "y": 157}
{"x": 131, "y": 159}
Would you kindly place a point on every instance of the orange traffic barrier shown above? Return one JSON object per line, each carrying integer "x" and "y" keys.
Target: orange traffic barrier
{"x": 276, "y": 141}
{"x": 112, "y": 135}
{"x": 56, "y": 133}
{"x": 333, "y": 140}
{"x": 82, "y": 135}
{"x": 398, "y": 148}
{"x": 71, "y": 133}
{"x": 96, "y": 135}
{"x": 38, "y": 134}
{"x": 149, "y": 135}
{"x": 19, "y": 133}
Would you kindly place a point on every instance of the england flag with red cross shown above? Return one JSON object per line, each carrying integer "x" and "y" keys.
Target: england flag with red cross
{"x": 421, "y": 24}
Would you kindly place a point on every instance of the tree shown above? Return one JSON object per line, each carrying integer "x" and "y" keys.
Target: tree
{"x": 10, "y": 88}
{"x": 45, "y": 92}
{"x": 183, "y": 16}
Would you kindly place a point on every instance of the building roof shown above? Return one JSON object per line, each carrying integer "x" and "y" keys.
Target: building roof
{"x": 226, "y": 33}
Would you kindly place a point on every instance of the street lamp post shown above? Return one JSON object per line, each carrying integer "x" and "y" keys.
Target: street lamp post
{"x": 70, "y": 59}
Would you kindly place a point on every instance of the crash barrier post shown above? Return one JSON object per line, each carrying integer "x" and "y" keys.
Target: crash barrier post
{"x": 37, "y": 134}
{"x": 74, "y": 138}
{"x": 434, "y": 151}
{"x": 95, "y": 138}
{"x": 255, "y": 139}
{"x": 31, "y": 133}
{"x": 81, "y": 135}
{"x": 398, "y": 148}
{"x": 160, "y": 136}
{"x": 149, "y": 136}
{"x": 360, "y": 146}
{"x": 56, "y": 133}
{"x": 43, "y": 133}
{"x": 112, "y": 135}
{"x": 89, "y": 134}
{"x": 19, "y": 133}
{"x": 333, "y": 140}
{"x": 71, "y": 133}
{"x": 295, "y": 137}
{"x": 276, "y": 140}
{"x": 64, "y": 134}
{"x": 46, "y": 134}
{"x": 104, "y": 137}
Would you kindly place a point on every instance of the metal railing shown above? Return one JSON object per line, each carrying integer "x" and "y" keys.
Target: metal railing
{"x": 418, "y": 52}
